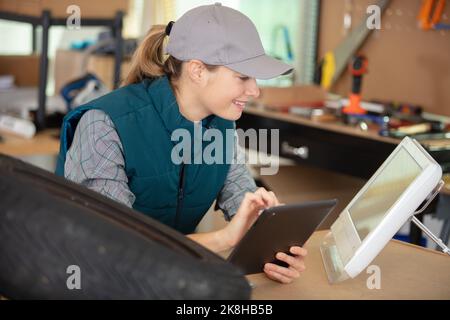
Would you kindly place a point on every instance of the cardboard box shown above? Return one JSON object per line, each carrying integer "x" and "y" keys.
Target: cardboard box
{"x": 58, "y": 8}
{"x": 69, "y": 65}
{"x": 25, "y": 69}
{"x": 103, "y": 67}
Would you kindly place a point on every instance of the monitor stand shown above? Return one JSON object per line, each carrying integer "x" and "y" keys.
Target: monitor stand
{"x": 331, "y": 259}
{"x": 422, "y": 227}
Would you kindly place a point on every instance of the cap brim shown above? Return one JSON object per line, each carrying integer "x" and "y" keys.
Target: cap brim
{"x": 261, "y": 67}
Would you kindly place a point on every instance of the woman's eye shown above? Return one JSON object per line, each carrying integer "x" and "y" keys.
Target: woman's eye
{"x": 244, "y": 78}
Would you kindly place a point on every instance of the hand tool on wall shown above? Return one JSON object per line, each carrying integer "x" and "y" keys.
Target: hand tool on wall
{"x": 357, "y": 68}
{"x": 334, "y": 62}
{"x": 430, "y": 15}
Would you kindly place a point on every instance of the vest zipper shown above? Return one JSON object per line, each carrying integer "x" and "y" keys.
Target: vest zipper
{"x": 180, "y": 197}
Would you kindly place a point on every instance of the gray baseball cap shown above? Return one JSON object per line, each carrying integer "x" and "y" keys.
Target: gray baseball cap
{"x": 219, "y": 35}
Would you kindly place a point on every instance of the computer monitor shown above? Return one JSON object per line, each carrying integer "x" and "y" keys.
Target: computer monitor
{"x": 379, "y": 210}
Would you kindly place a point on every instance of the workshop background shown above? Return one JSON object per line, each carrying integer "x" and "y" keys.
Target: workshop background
{"x": 44, "y": 53}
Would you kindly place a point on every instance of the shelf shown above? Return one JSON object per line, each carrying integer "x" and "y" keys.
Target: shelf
{"x": 34, "y": 20}
{"x": 46, "y": 21}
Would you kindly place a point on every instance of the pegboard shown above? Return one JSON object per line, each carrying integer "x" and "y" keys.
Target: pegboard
{"x": 406, "y": 63}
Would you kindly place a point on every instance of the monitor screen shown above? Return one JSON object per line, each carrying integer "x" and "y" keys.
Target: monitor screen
{"x": 371, "y": 207}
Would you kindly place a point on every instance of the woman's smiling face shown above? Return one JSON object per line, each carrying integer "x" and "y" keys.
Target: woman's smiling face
{"x": 226, "y": 93}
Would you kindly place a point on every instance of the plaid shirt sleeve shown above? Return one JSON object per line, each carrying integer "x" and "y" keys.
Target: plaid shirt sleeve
{"x": 238, "y": 182}
{"x": 95, "y": 158}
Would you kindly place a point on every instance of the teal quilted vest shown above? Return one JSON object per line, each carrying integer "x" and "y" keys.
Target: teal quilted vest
{"x": 145, "y": 116}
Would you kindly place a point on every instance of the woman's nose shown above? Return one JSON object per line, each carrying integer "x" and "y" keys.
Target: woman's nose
{"x": 252, "y": 89}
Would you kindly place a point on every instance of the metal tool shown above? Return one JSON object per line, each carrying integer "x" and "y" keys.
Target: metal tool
{"x": 334, "y": 62}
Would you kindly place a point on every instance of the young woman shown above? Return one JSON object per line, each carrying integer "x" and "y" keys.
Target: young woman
{"x": 122, "y": 144}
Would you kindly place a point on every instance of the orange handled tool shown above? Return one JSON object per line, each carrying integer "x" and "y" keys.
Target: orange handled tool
{"x": 358, "y": 68}
{"x": 430, "y": 13}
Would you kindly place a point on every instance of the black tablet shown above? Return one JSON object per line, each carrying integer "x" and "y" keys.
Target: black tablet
{"x": 276, "y": 230}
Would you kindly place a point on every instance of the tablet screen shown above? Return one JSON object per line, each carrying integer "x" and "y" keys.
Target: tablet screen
{"x": 371, "y": 207}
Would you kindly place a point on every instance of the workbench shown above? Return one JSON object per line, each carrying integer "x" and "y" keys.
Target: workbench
{"x": 407, "y": 272}
{"x": 328, "y": 145}
{"x": 41, "y": 150}
{"x": 44, "y": 143}
{"x": 332, "y": 146}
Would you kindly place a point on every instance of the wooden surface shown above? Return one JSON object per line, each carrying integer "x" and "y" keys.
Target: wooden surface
{"x": 331, "y": 126}
{"x": 43, "y": 143}
{"x": 407, "y": 272}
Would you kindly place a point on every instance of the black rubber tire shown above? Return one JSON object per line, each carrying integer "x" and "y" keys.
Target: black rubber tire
{"x": 48, "y": 223}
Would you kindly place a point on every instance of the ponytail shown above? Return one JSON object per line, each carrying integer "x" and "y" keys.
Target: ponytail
{"x": 148, "y": 59}
{"x": 149, "y": 62}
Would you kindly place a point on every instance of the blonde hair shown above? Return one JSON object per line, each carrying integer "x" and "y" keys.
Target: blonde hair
{"x": 149, "y": 60}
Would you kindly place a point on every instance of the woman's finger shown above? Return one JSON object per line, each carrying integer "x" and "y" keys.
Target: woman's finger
{"x": 256, "y": 200}
{"x": 298, "y": 251}
{"x": 286, "y": 272}
{"x": 268, "y": 196}
{"x": 277, "y": 276}
{"x": 295, "y": 262}
{"x": 251, "y": 199}
{"x": 277, "y": 203}
{"x": 250, "y": 207}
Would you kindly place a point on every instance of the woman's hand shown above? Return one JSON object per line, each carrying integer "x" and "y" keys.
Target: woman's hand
{"x": 249, "y": 210}
{"x": 296, "y": 265}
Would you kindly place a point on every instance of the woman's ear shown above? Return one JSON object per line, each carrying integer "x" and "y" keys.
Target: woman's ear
{"x": 196, "y": 71}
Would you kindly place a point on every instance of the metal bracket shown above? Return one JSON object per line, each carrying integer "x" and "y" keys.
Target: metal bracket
{"x": 421, "y": 226}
